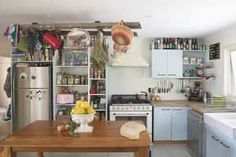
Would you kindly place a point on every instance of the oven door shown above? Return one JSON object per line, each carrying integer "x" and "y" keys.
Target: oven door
{"x": 146, "y": 117}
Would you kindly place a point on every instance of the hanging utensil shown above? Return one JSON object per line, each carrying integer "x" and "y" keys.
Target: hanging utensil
{"x": 182, "y": 89}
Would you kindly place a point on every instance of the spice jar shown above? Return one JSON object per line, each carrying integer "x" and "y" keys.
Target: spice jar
{"x": 186, "y": 60}
{"x": 193, "y": 60}
{"x": 199, "y": 60}
{"x": 59, "y": 78}
{"x": 64, "y": 79}
{"x": 70, "y": 79}
{"x": 76, "y": 79}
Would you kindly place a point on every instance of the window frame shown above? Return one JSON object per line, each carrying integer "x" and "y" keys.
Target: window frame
{"x": 227, "y": 71}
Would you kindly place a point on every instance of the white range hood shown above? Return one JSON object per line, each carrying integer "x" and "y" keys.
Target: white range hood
{"x": 130, "y": 60}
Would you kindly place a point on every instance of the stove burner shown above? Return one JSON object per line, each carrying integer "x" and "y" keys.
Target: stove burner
{"x": 127, "y": 99}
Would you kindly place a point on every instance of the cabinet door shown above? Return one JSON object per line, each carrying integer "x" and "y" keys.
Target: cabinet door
{"x": 175, "y": 63}
{"x": 179, "y": 124}
{"x": 159, "y": 63}
{"x": 216, "y": 146}
{"x": 162, "y": 124}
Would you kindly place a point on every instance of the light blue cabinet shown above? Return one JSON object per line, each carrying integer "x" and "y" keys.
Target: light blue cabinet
{"x": 179, "y": 124}
{"x": 218, "y": 145}
{"x": 170, "y": 123}
{"x": 167, "y": 63}
{"x": 159, "y": 63}
{"x": 162, "y": 124}
{"x": 175, "y": 63}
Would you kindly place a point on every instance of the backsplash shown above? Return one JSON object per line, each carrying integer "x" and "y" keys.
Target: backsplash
{"x": 129, "y": 80}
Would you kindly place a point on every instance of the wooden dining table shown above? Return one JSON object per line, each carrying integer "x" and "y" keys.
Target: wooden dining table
{"x": 42, "y": 136}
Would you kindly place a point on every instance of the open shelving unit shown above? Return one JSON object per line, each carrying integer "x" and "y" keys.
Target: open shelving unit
{"x": 97, "y": 98}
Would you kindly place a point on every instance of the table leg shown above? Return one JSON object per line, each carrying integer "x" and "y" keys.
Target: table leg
{"x": 141, "y": 152}
{"x": 6, "y": 152}
{"x": 40, "y": 154}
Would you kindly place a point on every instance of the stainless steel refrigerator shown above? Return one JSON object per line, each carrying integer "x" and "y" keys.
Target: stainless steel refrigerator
{"x": 31, "y": 94}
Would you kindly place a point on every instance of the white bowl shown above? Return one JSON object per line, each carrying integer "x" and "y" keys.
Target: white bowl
{"x": 83, "y": 120}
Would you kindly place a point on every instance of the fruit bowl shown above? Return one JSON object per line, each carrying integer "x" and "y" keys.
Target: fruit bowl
{"x": 83, "y": 120}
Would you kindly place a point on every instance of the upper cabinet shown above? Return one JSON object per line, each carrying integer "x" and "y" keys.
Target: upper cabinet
{"x": 180, "y": 58}
{"x": 167, "y": 63}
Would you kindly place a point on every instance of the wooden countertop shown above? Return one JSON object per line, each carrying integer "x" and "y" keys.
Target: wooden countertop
{"x": 199, "y": 107}
{"x": 42, "y": 136}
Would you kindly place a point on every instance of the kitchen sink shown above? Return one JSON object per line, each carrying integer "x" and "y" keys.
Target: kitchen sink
{"x": 223, "y": 122}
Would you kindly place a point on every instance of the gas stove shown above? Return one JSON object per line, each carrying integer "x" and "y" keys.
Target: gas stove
{"x": 129, "y": 103}
{"x": 129, "y": 107}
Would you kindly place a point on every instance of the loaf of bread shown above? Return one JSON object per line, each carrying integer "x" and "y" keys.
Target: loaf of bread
{"x": 132, "y": 130}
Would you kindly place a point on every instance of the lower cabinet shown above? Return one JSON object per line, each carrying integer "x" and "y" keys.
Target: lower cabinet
{"x": 170, "y": 123}
{"x": 219, "y": 146}
{"x": 162, "y": 124}
{"x": 179, "y": 124}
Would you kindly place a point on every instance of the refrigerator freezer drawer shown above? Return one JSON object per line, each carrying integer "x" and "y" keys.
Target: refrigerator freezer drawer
{"x": 32, "y": 77}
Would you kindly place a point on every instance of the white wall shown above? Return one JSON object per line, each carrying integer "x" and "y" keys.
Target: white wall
{"x": 4, "y": 64}
{"x": 4, "y": 47}
{"x": 226, "y": 38}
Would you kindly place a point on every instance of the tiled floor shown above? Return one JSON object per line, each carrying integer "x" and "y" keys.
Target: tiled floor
{"x": 170, "y": 150}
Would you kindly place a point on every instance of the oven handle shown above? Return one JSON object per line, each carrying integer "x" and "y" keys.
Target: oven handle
{"x": 130, "y": 114}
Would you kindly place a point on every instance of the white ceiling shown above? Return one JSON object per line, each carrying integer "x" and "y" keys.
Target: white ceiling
{"x": 159, "y": 18}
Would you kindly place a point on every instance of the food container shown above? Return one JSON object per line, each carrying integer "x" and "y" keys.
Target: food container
{"x": 199, "y": 60}
{"x": 65, "y": 98}
{"x": 193, "y": 60}
{"x": 70, "y": 80}
{"x": 59, "y": 78}
{"x": 76, "y": 79}
{"x": 186, "y": 60}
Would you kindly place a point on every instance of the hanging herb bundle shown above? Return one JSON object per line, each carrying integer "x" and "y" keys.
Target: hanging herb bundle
{"x": 99, "y": 56}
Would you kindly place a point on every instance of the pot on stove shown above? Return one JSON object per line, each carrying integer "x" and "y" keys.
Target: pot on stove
{"x": 142, "y": 96}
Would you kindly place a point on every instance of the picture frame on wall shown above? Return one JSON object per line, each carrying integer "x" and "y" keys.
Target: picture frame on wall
{"x": 214, "y": 51}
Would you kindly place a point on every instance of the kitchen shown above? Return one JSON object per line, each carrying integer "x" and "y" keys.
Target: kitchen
{"x": 135, "y": 76}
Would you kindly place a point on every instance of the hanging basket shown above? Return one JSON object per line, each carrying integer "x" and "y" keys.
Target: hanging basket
{"x": 122, "y": 35}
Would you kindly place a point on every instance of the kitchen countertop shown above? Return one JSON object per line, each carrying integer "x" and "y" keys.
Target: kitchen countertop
{"x": 199, "y": 107}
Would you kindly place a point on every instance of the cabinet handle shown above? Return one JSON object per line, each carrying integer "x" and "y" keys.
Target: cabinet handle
{"x": 165, "y": 109}
{"x": 216, "y": 139}
{"x": 226, "y": 146}
{"x": 176, "y": 109}
{"x": 161, "y": 74}
{"x": 172, "y": 74}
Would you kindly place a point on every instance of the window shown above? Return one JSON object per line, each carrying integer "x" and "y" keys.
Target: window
{"x": 232, "y": 74}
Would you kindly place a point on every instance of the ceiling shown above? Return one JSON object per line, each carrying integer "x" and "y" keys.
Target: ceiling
{"x": 158, "y": 18}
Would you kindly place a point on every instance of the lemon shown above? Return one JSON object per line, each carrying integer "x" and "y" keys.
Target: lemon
{"x": 90, "y": 110}
{"x": 73, "y": 111}
{"x": 79, "y": 111}
{"x": 78, "y": 102}
{"x": 84, "y": 105}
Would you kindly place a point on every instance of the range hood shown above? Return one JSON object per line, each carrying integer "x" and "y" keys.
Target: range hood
{"x": 130, "y": 60}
